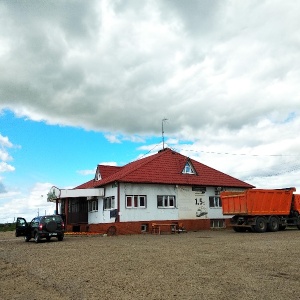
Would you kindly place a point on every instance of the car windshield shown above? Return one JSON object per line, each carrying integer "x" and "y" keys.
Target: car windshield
{"x": 47, "y": 219}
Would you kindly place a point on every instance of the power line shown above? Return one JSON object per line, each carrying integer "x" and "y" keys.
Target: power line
{"x": 237, "y": 154}
{"x": 149, "y": 151}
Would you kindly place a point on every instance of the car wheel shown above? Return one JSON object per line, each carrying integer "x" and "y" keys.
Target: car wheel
{"x": 37, "y": 238}
{"x": 60, "y": 238}
{"x": 26, "y": 238}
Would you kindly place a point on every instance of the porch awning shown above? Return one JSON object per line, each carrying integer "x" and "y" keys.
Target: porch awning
{"x": 56, "y": 193}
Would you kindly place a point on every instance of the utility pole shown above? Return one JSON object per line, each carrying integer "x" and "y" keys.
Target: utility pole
{"x": 162, "y": 131}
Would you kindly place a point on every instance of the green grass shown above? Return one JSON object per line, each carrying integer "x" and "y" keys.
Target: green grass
{"x": 7, "y": 227}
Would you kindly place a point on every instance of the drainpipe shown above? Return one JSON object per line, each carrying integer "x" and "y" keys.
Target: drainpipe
{"x": 118, "y": 209}
{"x": 67, "y": 211}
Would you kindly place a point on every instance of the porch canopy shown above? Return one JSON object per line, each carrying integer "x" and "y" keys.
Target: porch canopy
{"x": 56, "y": 193}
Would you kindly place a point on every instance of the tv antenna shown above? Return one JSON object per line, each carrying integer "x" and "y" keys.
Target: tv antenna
{"x": 162, "y": 131}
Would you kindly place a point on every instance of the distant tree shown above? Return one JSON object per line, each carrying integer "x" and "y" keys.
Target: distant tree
{"x": 7, "y": 227}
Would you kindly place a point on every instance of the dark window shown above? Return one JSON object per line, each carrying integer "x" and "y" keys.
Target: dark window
{"x": 93, "y": 205}
{"x": 109, "y": 203}
{"x": 136, "y": 201}
{"x": 215, "y": 201}
{"x": 166, "y": 201}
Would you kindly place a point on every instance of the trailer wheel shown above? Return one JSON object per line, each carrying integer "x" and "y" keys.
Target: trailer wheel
{"x": 260, "y": 224}
{"x": 273, "y": 224}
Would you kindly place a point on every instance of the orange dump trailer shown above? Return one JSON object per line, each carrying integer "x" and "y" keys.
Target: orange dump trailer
{"x": 259, "y": 210}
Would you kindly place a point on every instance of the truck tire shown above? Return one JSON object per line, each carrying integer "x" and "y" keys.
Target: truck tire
{"x": 260, "y": 224}
{"x": 273, "y": 224}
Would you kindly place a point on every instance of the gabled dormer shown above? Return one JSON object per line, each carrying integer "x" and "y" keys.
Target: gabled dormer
{"x": 98, "y": 174}
{"x": 104, "y": 171}
{"x": 188, "y": 168}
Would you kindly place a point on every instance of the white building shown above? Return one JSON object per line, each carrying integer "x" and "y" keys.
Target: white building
{"x": 165, "y": 188}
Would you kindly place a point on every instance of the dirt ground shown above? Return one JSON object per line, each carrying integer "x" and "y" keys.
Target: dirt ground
{"x": 193, "y": 265}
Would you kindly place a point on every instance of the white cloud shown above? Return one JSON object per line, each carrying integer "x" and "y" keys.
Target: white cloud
{"x": 28, "y": 206}
{"x": 224, "y": 73}
{"x": 4, "y": 142}
{"x": 86, "y": 172}
{"x": 119, "y": 138}
{"x": 5, "y": 167}
{"x": 108, "y": 163}
{"x": 112, "y": 138}
{"x": 173, "y": 62}
{"x": 5, "y": 156}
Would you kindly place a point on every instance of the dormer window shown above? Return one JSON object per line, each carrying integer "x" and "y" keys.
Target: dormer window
{"x": 188, "y": 169}
{"x": 98, "y": 176}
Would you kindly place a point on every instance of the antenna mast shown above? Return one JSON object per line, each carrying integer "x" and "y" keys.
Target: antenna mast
{"x": 162, "y": 131}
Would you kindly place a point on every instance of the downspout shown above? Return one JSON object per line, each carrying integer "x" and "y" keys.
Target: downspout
{"x": 67, "y": 211}
{"x": 118, "y": 209}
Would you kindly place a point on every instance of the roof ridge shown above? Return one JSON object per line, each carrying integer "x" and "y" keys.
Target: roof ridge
{"x": 147, "y": 160}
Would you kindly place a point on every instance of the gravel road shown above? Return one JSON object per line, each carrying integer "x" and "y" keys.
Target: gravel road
{"x": 193, "y": 265}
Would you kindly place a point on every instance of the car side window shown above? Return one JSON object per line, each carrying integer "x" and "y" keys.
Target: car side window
{"x": 21, "y": 222}
{"x": 34, "y": 222}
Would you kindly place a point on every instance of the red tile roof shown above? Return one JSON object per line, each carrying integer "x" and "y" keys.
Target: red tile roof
{"x": 87, "y": 185}
{"x": 166, "y": 167}
{"x": 106, "y": 171}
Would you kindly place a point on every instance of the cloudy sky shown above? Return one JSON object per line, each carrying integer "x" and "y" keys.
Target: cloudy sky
{"x": 88, "y": 82}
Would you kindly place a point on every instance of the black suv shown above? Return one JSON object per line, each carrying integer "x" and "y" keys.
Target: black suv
{"x": 41, "y": 227}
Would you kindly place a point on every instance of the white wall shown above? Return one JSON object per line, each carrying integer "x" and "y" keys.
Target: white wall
{"x": 190, "y": 204}
{"x": 151, "y": 212}
{"x": 103, "y": 216}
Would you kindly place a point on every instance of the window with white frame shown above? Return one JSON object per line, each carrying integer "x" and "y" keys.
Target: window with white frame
{"x": 166, "y": 201}
{"x": 215, "y": 201}
{"x": 93, "y": 205}
{"x": 217, "y": 223}
{"x": 109, "y": 203}
{"x": 136, "y": 201}
{"x": 188, "y": 169}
